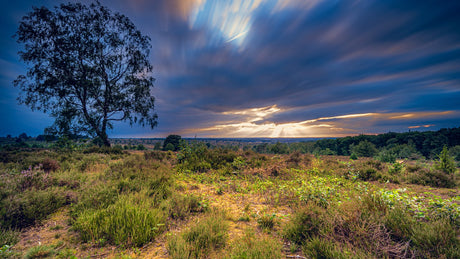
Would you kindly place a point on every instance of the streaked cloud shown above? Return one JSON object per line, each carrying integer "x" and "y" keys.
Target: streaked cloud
{"x": 291, "y": 67}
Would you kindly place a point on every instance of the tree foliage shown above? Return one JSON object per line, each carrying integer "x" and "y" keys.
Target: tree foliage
{"x": 172, "y": 142}
{"x": 87, "y": 67}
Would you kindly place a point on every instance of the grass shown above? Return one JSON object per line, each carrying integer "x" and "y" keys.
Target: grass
{"x": 208, "y": 235}
{"x": 256, "y": 247}
{"x": 143, "y": 203}
{"x": 131, "y": 221}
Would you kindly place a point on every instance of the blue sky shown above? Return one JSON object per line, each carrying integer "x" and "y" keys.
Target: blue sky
{"x": 278, "y": 68}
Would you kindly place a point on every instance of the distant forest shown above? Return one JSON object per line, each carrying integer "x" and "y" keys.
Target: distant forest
{"x": 413, "y": 145}
{"x": 386, "y": 147}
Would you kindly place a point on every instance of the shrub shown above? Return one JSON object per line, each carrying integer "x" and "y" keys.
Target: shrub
{"x": 364, "y": 149}
{"x": 400, "y": 223}
{"x": 266, "y": 221}
{"x": 386, "y": 156}
{"x": 353, "y": 156}
{"x": 180, "y": 206}
{"x": 23, "y": 209}
{"x": 250, "y": 246}
{"x": 446, "y": 163}
{"x": 304, "y": 224}
{"x": 436, "y": 239}
{"x": 208, "y": 234}
{"x": 131, "y": 221}
{"x": 396, "y": 169}
{"x": 8, "y": 237}
{"x": 155, "y": 155}
{"x": 50, "y": 165}
{"x": 40, "y": 251}
{"x": 322, "y": 248}
{"x": 368, "y": 174}
{"x": 432, "y": 177}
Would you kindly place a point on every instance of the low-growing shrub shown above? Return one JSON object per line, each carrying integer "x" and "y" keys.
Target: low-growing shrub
{"x": 267, "y": 221}
{"x": 209, "y": 234}
{"x": 400, "y": 223}
{"x": 8, "y": 237}
{"x": 368, "y": 174}
{"x": 131, "y": 221}
{"x": 321, "y": 248}
{"x": 254, "y": 247}
{"x": 436, "y": 239}
{"x": 155, "y": 155}
{"x": 40, "y": 251}
{"x": 181, "y": 206}
{"x": 50, "y": 165}
{"x": 305, "y": 224}
{"x": 23, "y": 209}
{"x": 432, "y": 177}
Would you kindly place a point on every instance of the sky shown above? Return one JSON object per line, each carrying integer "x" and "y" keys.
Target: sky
{"x": 277, "y": 68}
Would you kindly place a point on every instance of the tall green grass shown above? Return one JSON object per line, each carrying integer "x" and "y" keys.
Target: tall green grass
{"x": 209, "y": 234}
{"x": 130, "y": 221}
{"x": 255, "y": 247}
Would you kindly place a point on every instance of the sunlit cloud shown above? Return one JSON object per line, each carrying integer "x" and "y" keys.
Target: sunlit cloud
{"x": 231, "y": 19}
{"x": 248, "y": 123}
{"x": 421, "y": 126}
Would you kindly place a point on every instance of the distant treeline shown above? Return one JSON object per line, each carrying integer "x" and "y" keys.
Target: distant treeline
{"x": 402, "y": 145}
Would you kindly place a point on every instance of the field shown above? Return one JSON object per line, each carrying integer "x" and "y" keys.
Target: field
{"x": 220, "y": 203}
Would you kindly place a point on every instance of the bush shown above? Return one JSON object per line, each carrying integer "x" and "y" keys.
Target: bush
{"x": 23, "y": 209}
{"x": 155, "y": 155}
{"x": 432, "y": 177}
{"x": 8, "y": 237}
{"x": 304, "y": 224}
{"x": 131, "y": 221}
{"x": 208, "y": 234}
{"x": 368, "y": 174}
{"x": 436, "y": 239}
{"x": 250, "y": 246}
{"x": 322, "y": 248}
{"x": 181, "y": 206}
{"x": 267, "y": 221}
{"x": 400, "y": 223}
{"x": 40, "y": 251}
{"x": 50, "y": 165}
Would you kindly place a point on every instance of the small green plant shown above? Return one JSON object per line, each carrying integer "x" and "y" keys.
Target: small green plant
{"x": 304, "y": 224}
{"x": 8, "y": 237}
{"x": 267, "y": 221}
{"x": 208, "y": 234}
{"x": 322, "y": 248}
{"x": 181, "y": 206}
{"x": 40, "y": 251}
{"x": 254, "y": 247}
{"x": 131, "y": 221}
{"x": 446, "y": 163}
{"x": 353, "y": 156}
{"x": 396, "y": 168}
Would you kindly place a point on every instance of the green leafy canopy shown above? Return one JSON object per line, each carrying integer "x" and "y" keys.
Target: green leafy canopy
{"x": 87, "y": 67}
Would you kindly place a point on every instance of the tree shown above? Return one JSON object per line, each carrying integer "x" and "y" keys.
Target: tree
{"x": 364, "y": 149}
{"x": 174, "y": 140}
{"x": 88, "y": 67}
{"x": 446, "y": 163}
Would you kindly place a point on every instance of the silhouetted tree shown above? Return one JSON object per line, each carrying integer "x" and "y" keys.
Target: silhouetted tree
{"x": 88, "y": 67}
{"x": 174, "y": 140}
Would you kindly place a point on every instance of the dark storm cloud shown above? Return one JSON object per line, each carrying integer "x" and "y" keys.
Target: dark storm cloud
{"x": 370, "y": 56}
{"x": 311, "y": 59}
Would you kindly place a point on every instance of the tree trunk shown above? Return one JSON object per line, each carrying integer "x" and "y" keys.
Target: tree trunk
{"x": 105, "y": 139}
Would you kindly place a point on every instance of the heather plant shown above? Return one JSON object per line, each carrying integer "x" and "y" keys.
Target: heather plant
{"x": 130, "y": 221}
{"x": 255, "y": 247}
{"x": 209, "y": 234}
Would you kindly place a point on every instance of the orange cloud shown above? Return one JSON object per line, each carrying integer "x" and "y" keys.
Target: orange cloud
{"x": 245, "y": 124}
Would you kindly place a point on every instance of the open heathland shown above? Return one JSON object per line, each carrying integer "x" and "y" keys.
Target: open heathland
{"x": 202, "y": 202}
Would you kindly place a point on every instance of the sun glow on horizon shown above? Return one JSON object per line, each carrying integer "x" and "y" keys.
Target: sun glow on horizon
{"x": 256, "y": 122}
